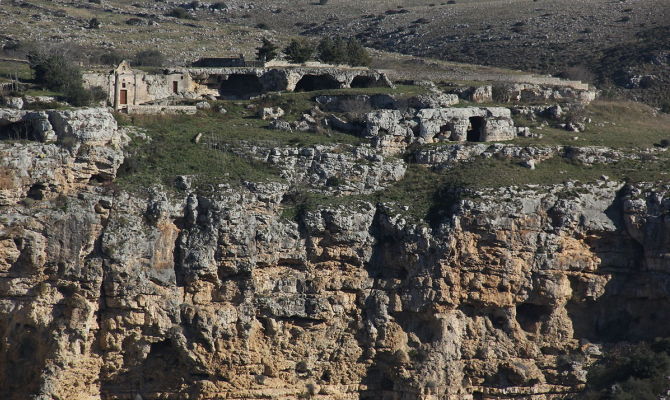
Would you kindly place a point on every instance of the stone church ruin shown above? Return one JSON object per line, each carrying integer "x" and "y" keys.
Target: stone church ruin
{"x": 132, "y": 89}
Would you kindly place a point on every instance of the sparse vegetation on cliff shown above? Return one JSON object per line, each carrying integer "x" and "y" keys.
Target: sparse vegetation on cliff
{"x": 631, "y": 372}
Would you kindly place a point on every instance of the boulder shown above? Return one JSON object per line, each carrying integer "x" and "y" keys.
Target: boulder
{"x": 268, "y": 113}
{"x": 432, "y": 100}
{"x": 280, "y": 125}
{"x": 13, "y": 102}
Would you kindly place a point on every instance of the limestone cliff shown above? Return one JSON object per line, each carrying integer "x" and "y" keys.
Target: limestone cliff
{"x": 511, "y": 294}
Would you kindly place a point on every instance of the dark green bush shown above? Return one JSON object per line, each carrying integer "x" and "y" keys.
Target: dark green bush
{"x": 149, "y": 58}
{"x": 638, "y": 371}
{"x": 111, "y": 57}
{"x": 332, "y": 51}
{"x": 267, "y": 51}
{"x": 94, "y": 23}
{"x": 54, "y": 71}
{"x": 338, "y": 51}
{"x": 179, "y": 12}
{"x": 357, "y": 54}
{"x": 299, "y": 51}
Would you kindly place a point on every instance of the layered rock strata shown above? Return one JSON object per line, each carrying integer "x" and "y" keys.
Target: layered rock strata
{"x": 511, "y": 294}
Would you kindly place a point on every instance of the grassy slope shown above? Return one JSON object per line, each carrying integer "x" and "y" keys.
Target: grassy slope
{"x": 172, "y": 152}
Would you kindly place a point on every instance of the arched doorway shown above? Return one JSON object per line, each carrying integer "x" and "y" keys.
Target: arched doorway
{"x": 240, "y": 86}
{"x": 309, "y": 83}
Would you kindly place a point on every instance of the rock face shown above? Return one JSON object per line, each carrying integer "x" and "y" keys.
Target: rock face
{"x": 394, "y": 130}
{"x": 105, "y": 294}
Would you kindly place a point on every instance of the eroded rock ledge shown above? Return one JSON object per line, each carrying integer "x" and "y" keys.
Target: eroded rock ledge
{"x": 511, "y": 294}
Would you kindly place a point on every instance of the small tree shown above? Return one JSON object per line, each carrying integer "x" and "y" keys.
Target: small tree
{"x": 332, "y": 51}
{"x": 112, "y": 57}
{"x": 267, "y": 51}
{"x": 150, "y": 58}
{"x": 179, "y": 12}
{"x": 54, "y": 72}
{"x": 94, "y": 23}
{"x": 299, "y": 51}
{"x": 357, "y": 54}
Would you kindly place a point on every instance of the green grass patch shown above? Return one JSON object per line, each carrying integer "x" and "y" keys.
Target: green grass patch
{"x": 297, "y": 103}
{"x": 172, "y": 152}
{"x": 10, "y": 69}
{"x": 614, "y": 124}
{"x": 425, "y": 195}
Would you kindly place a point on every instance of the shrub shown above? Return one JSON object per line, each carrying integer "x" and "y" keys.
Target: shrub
{"x": 149, "y": 58}
{"x": 219, "y": 6}
{"x": 499, "y": 94}
{"x": 77, "y": 96}
{"x": 111, "y": 57}
{"x": 332, "y": 51}
{"x": 94, "y": 23}
{"x": 267, "y": 51}
{"x": 323, "y": 2}
{"x": 263, "y": 25}
{"x": 665, "y": 143}
{"x": 54, "y": 71}
{"x": 357, "y": 54}
{"x": 179, "y": 12}
{"x": 578, "y": 73}
{"x": 98, "y": 94}
{"x": 636, "y": 371}
{"x": 299, "y": 51}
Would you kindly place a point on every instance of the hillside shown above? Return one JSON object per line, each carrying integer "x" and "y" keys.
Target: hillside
{"x": 429, "y": 229}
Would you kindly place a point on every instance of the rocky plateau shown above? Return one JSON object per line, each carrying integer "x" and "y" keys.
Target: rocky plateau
{"x": 510, "y": 294}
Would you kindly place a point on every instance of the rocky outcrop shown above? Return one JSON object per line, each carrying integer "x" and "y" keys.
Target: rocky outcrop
{"x": 70, "y": 150}
{"x": 510, "y": 293}
{"x": 393, "y": 130}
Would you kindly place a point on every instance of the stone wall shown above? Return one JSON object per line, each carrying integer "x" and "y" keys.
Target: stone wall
{"x": 144, "y": 109}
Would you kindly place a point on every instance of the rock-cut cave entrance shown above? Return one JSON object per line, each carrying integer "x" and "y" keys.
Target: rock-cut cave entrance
{"x": 362, "y": 81}
{"x": 476, "y": 129}
{"x": 309, "y": 83}
{"x": 240, "y": 86}
{"x": 22, "y": 130}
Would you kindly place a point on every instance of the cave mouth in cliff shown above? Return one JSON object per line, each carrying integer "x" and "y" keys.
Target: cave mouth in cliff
{"x": 240, "y": 86}
{"x": 444, "y": 133}
{"x": 310, "y": 83}
{"x": 22, "y": 130}
{"x": 529, "y": 316}
{"x": 476, "y": 129}
{"x": 36, "y": 191}
{"x": 362, "y": 81}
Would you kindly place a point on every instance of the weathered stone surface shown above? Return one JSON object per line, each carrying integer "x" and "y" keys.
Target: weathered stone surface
{"x": 107, "y": 294}
{"x": 89, "y": 149}
{"x": 396, "y": 130}
{"x": 267, "y": 113}
{"x": 432, "y": 100}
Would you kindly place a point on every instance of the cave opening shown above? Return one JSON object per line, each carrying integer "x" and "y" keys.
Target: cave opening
{"x": 310, "y": 83}
{"x": 36, "y": 191}
{"x": 362, "y": 81}
{"x": 476, "y": 129}
{"x": 443, "y": 134}
{"x": 21, "y": 130}
{"x": 529, "y": 316}
{"x": 240, "y": 86}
